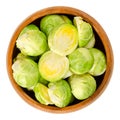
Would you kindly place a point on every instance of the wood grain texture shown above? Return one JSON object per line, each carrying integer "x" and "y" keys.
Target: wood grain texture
{"x": 102, "y": 43}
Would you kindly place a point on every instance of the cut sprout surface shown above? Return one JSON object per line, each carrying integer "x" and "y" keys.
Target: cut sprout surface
{"x": 52, "y": 66}
{"x": 85, "y": 31}
{"x": 63, "y": 40}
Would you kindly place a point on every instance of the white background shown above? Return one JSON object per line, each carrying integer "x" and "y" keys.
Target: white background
{"x": 106, "y": 12}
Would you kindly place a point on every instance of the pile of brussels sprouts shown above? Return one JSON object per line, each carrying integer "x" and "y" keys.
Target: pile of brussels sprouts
{"x": 57, "y": 60}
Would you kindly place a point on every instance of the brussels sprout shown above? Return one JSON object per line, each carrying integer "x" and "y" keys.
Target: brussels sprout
{"x": 60, "y": 93}
{"x": 52, "y": 66}
{"x": 83, "y": 86}
{"x": 91, "y": 43}
{"x": 63, "y": 39}
{"x": 29, "y": 27}
{"x": 41, "y": 94}
{"x": 85, "y": 31}
{"x": 81, "y": 61}
{"x": 99, "y": 65}
{"x": 49, "y": 22}
{"x": 25, "y": 72}
{"x": 32, "y": 43}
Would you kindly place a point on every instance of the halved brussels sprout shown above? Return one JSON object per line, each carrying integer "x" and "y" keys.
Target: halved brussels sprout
{"x": 29, "y": 27}
{"x": 63, "y": 39}
{"x": 83, "y": 86}
{"x": 60, "y": 93}
{"x": 41, "y": 94}
{"x": 49, "y": 22}
{"x": 85, "y": 31}
{"x": 52, "y": 66}
{"x": 91, "y": 43}
{"x": 81, "y": 61}
{"x": 99, "y": 65}
{"x": 25, "y": 72}
{"x": 32, "y": 43}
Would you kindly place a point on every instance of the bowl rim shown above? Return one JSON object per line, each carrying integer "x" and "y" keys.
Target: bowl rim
{"x": 104, "y": 38}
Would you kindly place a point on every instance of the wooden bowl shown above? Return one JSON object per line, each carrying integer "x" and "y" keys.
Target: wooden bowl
{"x": 102, "y": 43}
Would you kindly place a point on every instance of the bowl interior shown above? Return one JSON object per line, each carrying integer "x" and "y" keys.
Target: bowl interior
{"x": 102, "y": 43}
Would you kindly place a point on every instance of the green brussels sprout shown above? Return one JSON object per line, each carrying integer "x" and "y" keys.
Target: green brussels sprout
{"x": 49, "y": 22}
{"x": 99, "y": 65}
{"x": 85, "y": 31}
{"x": 32, "y": 43}
{"x": 63, "y": 39}
{"x": 83, "y": 86}
{"x": 29, "y": 27}
{"x": 25, "y": 72}
{"x": 91, "y": 43}
{"x": 60, "y": 93}
{"x": 41, "y": 94}
{"x": 52, "y": 66}
{"x": 81, "y": 61}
